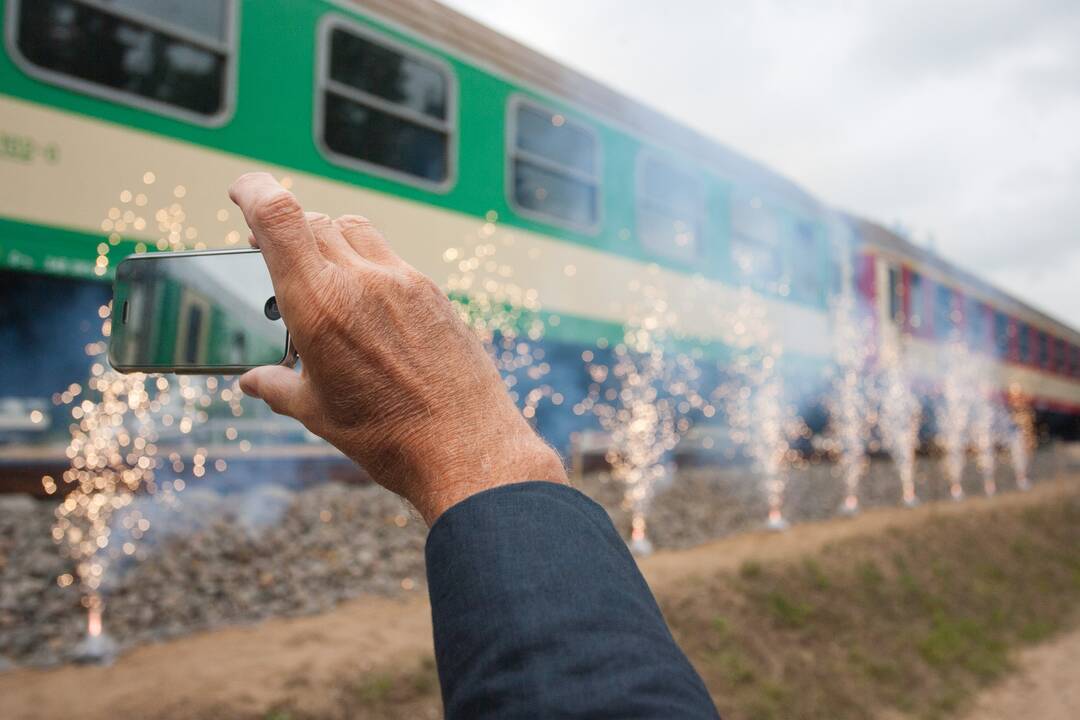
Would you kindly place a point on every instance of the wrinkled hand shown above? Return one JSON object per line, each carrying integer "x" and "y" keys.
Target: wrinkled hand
{"x": 391, "y": 375}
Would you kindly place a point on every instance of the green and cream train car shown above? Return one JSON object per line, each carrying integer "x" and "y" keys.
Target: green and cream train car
{"x": 123, "y": 121}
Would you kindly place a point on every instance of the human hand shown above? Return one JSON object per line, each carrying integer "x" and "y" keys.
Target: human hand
{"x": 391, "y": 376}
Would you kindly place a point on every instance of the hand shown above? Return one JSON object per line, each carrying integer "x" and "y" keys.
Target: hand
{"x": 391, "y": 375}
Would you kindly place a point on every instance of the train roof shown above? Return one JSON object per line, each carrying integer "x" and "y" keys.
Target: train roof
{"x": 502, "y": 55}
{"x": 899, "y": 247}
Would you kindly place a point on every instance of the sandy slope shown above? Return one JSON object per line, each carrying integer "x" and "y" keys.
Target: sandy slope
{"x": 247, "y": 670}
{"x": 1045, "y": 686}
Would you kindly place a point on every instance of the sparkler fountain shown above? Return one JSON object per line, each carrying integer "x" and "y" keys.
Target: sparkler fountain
{"x": 953, "y": 412}
{"x": 1020, "y": 456}
{"x": 760, "y": 420}
{"x": 117, "y": 422}
{"x": 115, "y": 453}
{"x": 643, "y": 401}
{"x": 849, "y": 405}
{"x": 984, "y": 434}
{"x": 1021, "y": 437}
{"x": 899, "y": 412}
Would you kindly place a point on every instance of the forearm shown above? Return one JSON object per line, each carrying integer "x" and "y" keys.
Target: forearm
{"x": 540, "y": 611}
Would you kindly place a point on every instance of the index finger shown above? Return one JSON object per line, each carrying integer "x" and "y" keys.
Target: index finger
{"x": 278, "y": 223}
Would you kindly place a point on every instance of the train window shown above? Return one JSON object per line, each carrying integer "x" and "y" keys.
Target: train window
{"x": 805, "y": 262}
{"x": 670, "y": 209}
{"x": 1025, "y": 342}
{"x": 554, "y": 166}
{"x": 1076, "y": 361}
{"x": 943, "y": 312}
{"x": 755, "y": 240}
{"x": 896, "y": 295}
{"x": 384, "y": 108}
{"x": 975, "y": 322}
{"x": 168, "y": 56}
{"x": 193, "y": 344}
{"x": 1061, "y": 357}
{"x": 1001, "y": 334}
{"x": 836, "y": 275}
{"x": 1044, "y": 350}
{"x": 917, "y": 300}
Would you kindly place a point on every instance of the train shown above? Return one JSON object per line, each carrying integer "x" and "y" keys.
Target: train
{"x": 122, "y": 123}
{"x": 1030, "y": 357}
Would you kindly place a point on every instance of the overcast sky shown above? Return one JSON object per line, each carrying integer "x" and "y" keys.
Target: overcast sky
{"x": 958, "y": 119}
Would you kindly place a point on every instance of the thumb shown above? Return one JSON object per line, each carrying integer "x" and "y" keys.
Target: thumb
{"x": 279, "y": 387}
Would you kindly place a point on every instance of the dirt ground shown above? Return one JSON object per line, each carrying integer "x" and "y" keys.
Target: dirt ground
{"x": 1045, "y": 685}
{"x": 249, "y": 670}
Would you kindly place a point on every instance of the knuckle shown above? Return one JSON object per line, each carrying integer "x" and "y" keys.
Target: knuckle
{"x": 382, "y": 284}
{"x": 425, "y": 294}
{"x": 249, "y": 177}
{"x": 422, "y": 288}
{"x": 356, "y": 223}
{"x": 279, "y": 208}
{"x": 416, "y": 282}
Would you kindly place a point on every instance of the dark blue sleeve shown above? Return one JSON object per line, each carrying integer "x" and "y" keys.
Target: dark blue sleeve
{"x": 540, "y": 612}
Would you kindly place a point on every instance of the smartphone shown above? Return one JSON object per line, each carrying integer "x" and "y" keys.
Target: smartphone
{"x": 198, "y": 313}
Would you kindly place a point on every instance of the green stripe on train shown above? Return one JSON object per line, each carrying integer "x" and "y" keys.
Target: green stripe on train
{"x": 54, "y": 250}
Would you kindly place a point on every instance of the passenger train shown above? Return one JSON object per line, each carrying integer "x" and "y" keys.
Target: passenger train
{"x": 123, "y": 121}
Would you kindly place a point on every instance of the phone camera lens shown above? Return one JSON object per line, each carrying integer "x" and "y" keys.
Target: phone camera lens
{"x": 270, "y": 309}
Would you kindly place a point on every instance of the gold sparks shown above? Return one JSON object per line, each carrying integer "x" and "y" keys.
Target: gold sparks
{"x": 642, "y": 400}
{"x": 115, "y": 453}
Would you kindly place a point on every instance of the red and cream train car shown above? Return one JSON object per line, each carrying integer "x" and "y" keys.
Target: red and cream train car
{"x": 928, "y": 301}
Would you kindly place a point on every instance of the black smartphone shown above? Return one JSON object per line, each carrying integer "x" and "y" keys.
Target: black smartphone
{"x": 200, "y": 313}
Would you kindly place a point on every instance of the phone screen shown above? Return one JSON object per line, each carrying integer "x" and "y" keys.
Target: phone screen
{"x": 195, "y": 312}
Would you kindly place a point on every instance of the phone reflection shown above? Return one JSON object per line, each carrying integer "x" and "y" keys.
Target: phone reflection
{"x": 194, "y": 312}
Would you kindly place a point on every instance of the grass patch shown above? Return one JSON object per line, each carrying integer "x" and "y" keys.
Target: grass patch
{"x": 412, "y": 693}
{"x": 787, "y": 612}
{"x": 374, "y": 690}
{"x": 815, "y": 575}
{"x": 751, "y": 570}
{"x": 915, "y": 620}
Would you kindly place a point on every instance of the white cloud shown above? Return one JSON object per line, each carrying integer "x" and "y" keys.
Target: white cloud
{"x": 958, "y": 119}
